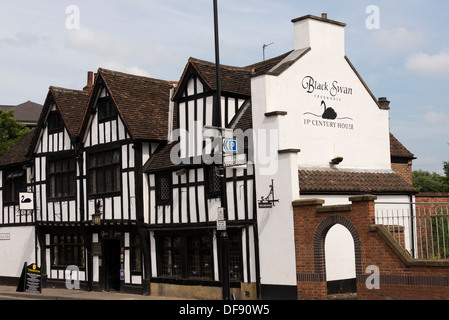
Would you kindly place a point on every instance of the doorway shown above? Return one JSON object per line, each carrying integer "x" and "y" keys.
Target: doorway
{"x": 340, "y": 261}
{"x": 111, "y": 262}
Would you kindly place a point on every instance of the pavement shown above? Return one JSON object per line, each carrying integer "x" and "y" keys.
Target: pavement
{"x": 9, "y": 292}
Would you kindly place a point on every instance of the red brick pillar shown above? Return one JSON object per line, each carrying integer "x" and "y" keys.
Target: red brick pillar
{"x": 311, "y": 222}
{"x": 311, "y": 281}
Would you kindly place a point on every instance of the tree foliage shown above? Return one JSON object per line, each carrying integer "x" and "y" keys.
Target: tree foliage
{"x": 11, "y": 131}
{"x": 425, "y": 181}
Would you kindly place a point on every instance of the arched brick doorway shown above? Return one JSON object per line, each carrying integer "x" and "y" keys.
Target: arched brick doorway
{"x": 320, "y": 253}
{"x": 340, "y": 261}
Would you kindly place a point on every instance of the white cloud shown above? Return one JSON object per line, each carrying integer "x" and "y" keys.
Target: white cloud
{"x": 429, "y": 65}
{"x": 22, "y": 38}
{"x": 86, "y": 40}
{"x": 137, "y": 71}
{"x": 398, "y": 39}
{"x": 436, "y": 118}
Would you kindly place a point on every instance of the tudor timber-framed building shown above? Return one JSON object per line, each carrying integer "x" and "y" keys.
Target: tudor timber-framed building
{"x": 110, "y": 150}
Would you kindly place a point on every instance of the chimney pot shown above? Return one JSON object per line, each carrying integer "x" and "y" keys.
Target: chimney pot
{"x": 324, "y": 15}
{"x": 384, "y": 103}
{"x": 90, "y": 76}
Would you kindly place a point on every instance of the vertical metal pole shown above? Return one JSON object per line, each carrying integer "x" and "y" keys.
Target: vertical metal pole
{"x": 217, "y": 121}
{"x": 217, "y": 108}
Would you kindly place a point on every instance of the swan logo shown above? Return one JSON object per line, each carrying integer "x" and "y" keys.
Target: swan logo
{"x": 328, "y": 114}
{"x": 26, "y": 201}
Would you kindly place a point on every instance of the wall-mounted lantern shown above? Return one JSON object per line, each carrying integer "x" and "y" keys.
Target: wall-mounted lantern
{"x": 96, "y": 217}
{"x": 336, "y": 161}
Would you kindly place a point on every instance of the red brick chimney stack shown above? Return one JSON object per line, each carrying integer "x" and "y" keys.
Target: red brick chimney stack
{"x": 90, "y": 81}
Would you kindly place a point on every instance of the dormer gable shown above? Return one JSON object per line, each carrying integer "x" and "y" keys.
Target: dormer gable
{"x": 140, "y": 104}
{"x": 60, "y": 120}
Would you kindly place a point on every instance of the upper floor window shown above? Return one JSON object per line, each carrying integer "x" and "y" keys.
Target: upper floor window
{"x": 104, "y": 172}
{"x": 163, "y": 188}
{"x": 106, "y": 110}
{"x": 213, "y": 183}
{"x": 61, "y": 178}
{"x": 14, "y": 181}
{"x": 55, "y": 122}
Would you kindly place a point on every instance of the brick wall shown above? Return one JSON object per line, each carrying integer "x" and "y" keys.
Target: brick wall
{"x": 435, "y": 197}
{"x": 404, "y": 170}
{"x": 400, "y": 276}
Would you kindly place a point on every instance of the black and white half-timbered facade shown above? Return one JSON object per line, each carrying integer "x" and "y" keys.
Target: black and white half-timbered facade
{"x": 185, "y": 191}
{"x": 131, "y": 189}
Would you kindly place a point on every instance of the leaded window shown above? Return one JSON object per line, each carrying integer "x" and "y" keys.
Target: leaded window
{"x": 186, "y": 256}
{"x": 55, "y": 122}
{"x": 235, "y": 256}
{"x": 136, "y": 254}
{"x": 213, "y": 183}
{"x": 163, "y": 188}
{"x": 104, "y": 172}
{"x": 67, "y": 250}
{"x": 61, "y": 178}
{"x": 106, "y": 110}
{"x": 14, "y": 182}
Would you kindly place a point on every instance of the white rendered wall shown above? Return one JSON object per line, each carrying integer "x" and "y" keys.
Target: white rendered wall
{"x": 20, "y": 248}
{"x": 359, "y": 133}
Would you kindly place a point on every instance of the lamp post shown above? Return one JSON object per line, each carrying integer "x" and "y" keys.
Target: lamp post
{"x": 217, "y": 122}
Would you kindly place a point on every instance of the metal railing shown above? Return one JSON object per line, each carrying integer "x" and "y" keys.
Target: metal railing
{"x": 422, "y": 228}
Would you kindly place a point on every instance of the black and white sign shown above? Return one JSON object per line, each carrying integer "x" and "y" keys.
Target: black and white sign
{"x": 26, "y": 201}
{"x": 33, "y": 281}
{"x": 221, "y": 225}
{"x": 30, "y": 280}
{"x": 5, "y": 236}
{"x": 235, "y": 161}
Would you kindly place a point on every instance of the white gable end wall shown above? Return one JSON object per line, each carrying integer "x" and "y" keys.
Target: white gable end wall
{"x": 327, "y": 112}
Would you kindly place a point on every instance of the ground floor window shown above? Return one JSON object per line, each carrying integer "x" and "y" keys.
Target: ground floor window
{"x": 190, "y": 256}
{"x": 67, "y": 250}
{"x": 186, "y": 256}
{"x": 136, "y": 254}
{"x": 235, "y": 256}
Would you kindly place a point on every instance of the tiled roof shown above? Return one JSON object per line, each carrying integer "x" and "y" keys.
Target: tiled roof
{"x": 17, "y": 154}
{"x": 161, "y": 159}
{"x": 234, "y": 80}
{"x": 143, "y": 103}
{"x": 330, "y": 181}
{"x": 398, "y": 150}
{"x": 244, "y": 118}
{"x": 264, "y": 67}
{"x": 72, "y": 105}
{"x": 27, "y": 112}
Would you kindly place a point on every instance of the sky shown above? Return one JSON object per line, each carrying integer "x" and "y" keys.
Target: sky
{"x": 401, "y": 49}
